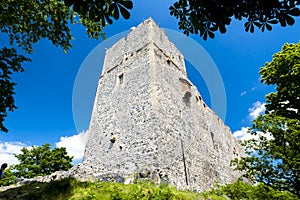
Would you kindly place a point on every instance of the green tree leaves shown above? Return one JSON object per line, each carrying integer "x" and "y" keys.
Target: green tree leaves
{"x": 276, "y": 162}
{"x": 40, "y": 161}
{"x": 26, "y": 22}
{"x": 242, "y": 190}
{"x": 207, "y": 16}
{"x": 284, "y": 72}
{"x": 101, "y": 12}
{"x": 8, "y": 178}
{"x": 10, "y": 62}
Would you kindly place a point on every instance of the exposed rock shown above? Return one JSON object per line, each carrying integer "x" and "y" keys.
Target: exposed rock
{"x": 23, "y": 181}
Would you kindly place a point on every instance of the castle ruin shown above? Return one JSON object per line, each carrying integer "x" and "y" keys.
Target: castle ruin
{"x": 148, "y": 117}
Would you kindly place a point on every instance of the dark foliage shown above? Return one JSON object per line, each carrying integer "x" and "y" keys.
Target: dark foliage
{"x": 208, "y": 16}
{"x": 102, "y": 11}
{"x": 10, "y": 62}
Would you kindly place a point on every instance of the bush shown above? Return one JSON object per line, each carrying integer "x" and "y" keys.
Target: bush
{"x": 241, "y": 190}
{"x": 8, "y": 178}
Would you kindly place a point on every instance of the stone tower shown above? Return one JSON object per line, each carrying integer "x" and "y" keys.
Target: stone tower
{"x": 148, "y": 116}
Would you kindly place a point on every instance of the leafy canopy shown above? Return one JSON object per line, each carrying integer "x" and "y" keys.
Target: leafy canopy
{"x": 28, "y": 21}
{"x": 41, "y": 161}
{"x": 276, "y": 162}
{"x": 10, "y": 62}
{"x": 206, "y": 16}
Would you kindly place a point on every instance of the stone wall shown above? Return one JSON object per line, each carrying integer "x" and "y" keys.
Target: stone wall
{"x": 148, "y": 116}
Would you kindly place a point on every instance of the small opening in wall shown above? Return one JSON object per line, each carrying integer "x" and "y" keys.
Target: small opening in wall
{"x": 185, "y": 85}
{"x": 113, "y": 139}
{"x": 235, "y": 151}
{"x": 121, "y": 78}
{"x": 187, "y": 97}
{"x": 121, "y": 147}
{"x": 212, "y": 138}
{"x": 169, "y": 62}
{"x": 138, "y": 50}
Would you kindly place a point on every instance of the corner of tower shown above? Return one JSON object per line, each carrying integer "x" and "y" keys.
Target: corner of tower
{"x": 157, "y": 39}
{"x": 147, "y": 22}
{"x": 146, "y": 35}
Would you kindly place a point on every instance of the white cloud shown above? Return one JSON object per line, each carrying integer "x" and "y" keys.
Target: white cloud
{"x": 256, "y": 109}
{"x": 74, "y": 144}
{"x": 7, "y": 151}
{"x": 244, "y": 93}
{"x": 243, "y": 134}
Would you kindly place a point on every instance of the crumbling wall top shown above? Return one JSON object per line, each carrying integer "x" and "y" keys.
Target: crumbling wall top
{"x": 144, "y": 34}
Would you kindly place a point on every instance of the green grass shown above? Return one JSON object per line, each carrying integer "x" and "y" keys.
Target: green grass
{"x": 72, "y": 189}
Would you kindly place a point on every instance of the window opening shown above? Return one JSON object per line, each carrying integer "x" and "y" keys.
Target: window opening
{"x": 235, "y": 152}
{"x": 212, "y": 138}
{"x": 185, "y": 85}
{"x": 121, "y": 79}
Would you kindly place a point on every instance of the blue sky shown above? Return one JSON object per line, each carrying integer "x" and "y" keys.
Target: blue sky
{"x": 44, "y": 90}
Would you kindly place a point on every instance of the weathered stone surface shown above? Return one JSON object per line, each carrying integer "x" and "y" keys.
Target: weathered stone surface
{"x": 149, "y": 119}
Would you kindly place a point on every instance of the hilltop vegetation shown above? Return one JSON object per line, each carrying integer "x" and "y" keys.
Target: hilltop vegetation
{"x": 72, "y": 189}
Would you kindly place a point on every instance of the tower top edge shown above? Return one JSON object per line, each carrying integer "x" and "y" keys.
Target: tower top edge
{"x": 139, "y": 37}
{"x": 148, "y": 21}
{"x": 145, "y": 25}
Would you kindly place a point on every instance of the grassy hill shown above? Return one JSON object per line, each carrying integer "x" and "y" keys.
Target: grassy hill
{"x": 73, "y": 189}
